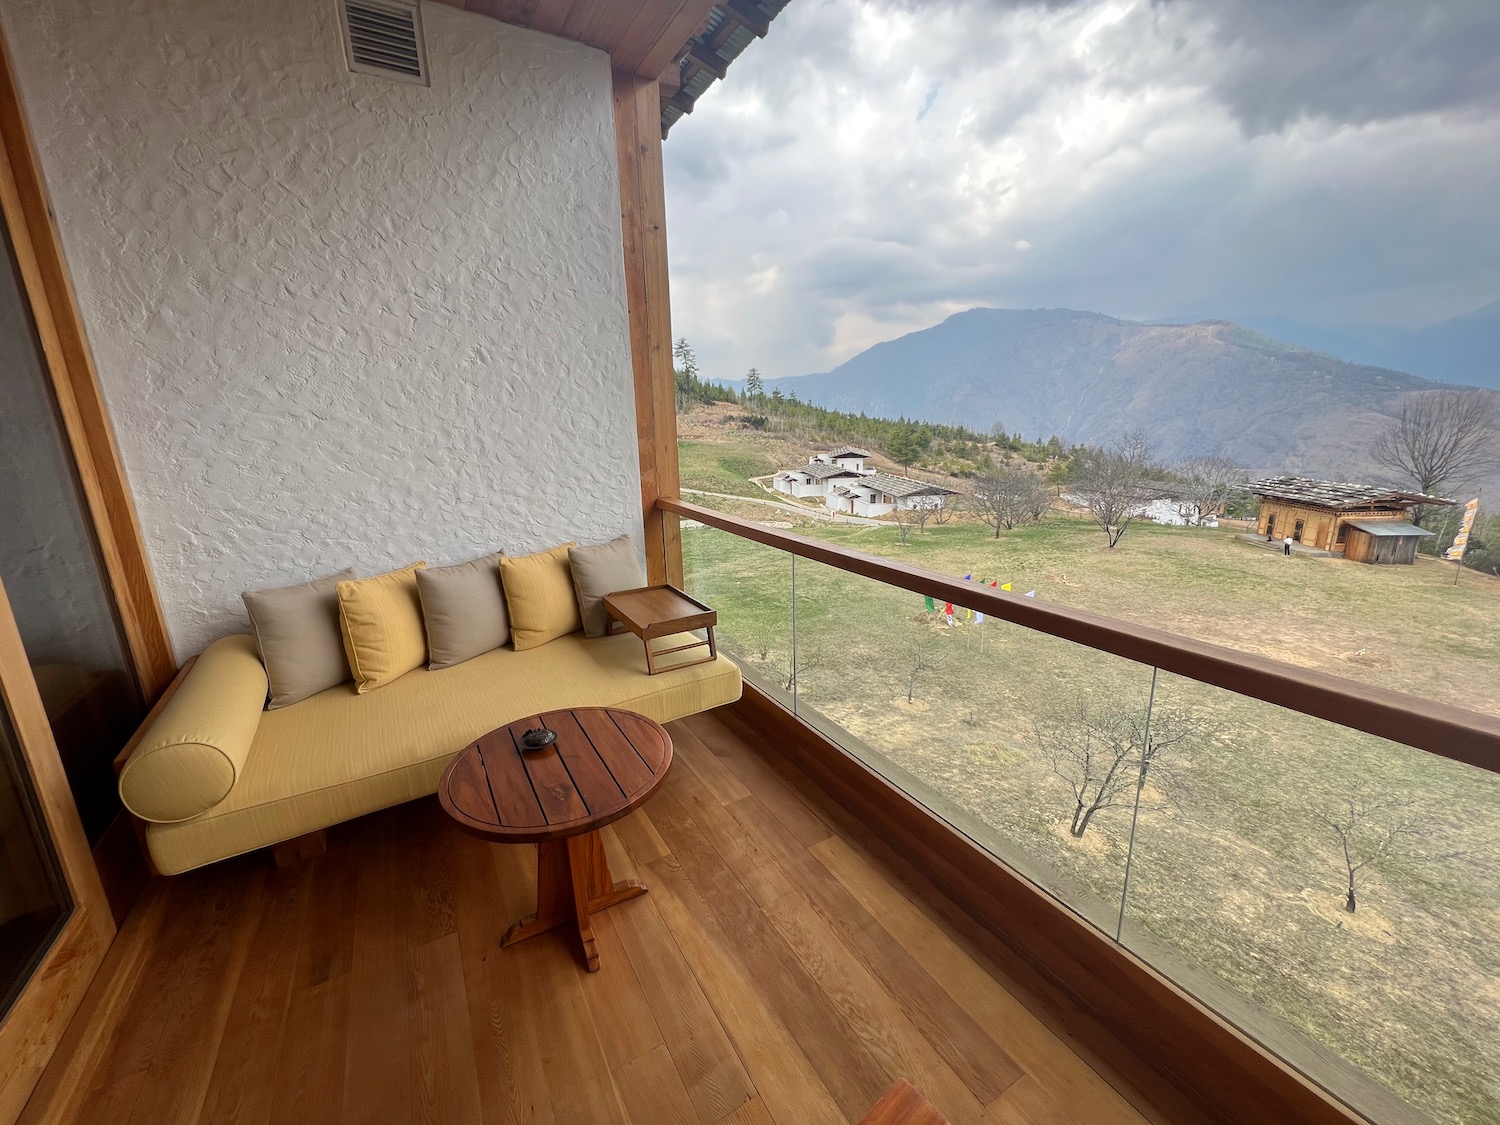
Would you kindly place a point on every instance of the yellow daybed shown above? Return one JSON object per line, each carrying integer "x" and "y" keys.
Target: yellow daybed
{"x": 212, "y": 774}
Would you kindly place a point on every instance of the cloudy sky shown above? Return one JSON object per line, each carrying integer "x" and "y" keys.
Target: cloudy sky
{"x": 875, "y": 165}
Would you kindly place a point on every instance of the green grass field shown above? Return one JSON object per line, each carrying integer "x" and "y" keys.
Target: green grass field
{"x": 717, "y": 467}
{"x": 1237, "y": 881}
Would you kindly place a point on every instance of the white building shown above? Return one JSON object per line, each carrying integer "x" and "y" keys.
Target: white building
{"x": 821, "y": 472}
{"x": 876, "y": 494}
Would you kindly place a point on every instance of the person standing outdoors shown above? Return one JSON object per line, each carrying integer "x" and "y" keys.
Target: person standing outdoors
{"x": 1286, "y": 546}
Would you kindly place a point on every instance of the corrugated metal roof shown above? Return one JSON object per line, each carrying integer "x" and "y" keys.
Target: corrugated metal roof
{"x": 722, "y": 40}
{"x": 1398, "y": 529}
{"x": 1336, "y": 494}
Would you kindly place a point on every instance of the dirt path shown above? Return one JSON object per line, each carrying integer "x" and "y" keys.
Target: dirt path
{"x": 810, "y": 513}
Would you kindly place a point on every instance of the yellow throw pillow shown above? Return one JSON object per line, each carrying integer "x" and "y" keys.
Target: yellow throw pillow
{"x": 381, "y": 619}
{"x": 539, "y": 595}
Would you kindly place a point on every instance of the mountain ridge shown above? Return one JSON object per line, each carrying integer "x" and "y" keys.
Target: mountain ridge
{"x": 1207, "y": 386}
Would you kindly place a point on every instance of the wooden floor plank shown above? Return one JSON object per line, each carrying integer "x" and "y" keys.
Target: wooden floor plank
{"x": 377, "y": 1078}
{"x": 444, "y": 1072}
{"x": 640, "y": 837}
{"x": 836, "y": 1050}
{"x": 243, "y": 1085}
{"x": 621, "y": 1009}
{"x": 507, "y": 1056}
{"x": 804, "y": 823}
{"x": 1040, "y": 1052}
{"x": 774, "y": 973}
{"x": 553, "y": 1007}
{"x": 652, "y": 1090}
{"x": 865, "y": 1005}
{"x": 960, "y": 1040}
{"x": 719, "y": 778}
{"x": 787, "y": 1082}
{"x": 753, "y": 1112}
{"x": 310, "y": 1070}
{"x": 711, "y": 1070}
{"x": 209, "y": 967}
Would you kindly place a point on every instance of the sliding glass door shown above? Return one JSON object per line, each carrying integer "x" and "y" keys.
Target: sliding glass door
{"x": 34, "y": 898}
{"x": 50, "y": 565}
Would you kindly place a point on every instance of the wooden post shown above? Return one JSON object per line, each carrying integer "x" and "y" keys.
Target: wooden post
{"x": 643, "y": 228}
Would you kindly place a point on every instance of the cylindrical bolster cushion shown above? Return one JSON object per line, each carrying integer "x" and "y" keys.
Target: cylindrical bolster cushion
{"x": 191, "y": 756}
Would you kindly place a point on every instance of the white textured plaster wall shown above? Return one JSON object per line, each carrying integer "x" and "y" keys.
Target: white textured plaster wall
{"x": 338, "y": 319}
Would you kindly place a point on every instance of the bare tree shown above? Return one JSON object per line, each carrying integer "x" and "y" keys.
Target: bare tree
{"x": 1209, "y": 482}
{"x": 1441, "y": 439}
{"x": 1371, "y": 828}
{"x": 907, "y": 518}
{"x": 1104, "y": 750}
{"x": 1113, "y": 483}
{"x": 805, "y": 662}
{"x": 945, "y": 509}
{"x": 918, "y": 656}
{"x": 1007, "y": 496}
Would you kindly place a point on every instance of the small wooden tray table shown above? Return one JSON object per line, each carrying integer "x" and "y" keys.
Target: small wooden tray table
{"x": 661, "y": 611}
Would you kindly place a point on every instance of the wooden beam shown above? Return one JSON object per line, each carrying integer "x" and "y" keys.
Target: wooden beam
{"x": 1147, "y": 1022}
{"x": 643, "y": 227}
{"x": 749, "y": 15}
{"x": 658, "y": 34}
{"x": 1441, "y": 729}
{"x": 44, "y": 276}
{"x": 708, "y": 60}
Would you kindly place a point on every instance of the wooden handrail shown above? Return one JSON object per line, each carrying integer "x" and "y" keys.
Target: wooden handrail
{"x": 1471, "y": 737}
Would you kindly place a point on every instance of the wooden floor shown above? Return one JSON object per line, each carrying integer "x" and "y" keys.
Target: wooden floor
{"x": 774, "y": 973}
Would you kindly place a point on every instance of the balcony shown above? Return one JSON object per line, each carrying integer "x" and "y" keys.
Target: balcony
{"x": 1229, "y": 841}
{"x": 777, "y": 971}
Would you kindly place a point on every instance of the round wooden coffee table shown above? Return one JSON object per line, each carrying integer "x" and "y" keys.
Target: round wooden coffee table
{"x": 604, "y": 763}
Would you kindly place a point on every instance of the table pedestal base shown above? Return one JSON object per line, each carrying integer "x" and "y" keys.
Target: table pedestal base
{"x": 572, "y": 882}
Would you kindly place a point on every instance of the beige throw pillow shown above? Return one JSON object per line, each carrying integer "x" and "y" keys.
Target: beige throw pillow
{"x": 463, "y": 608}
{"x": 297, "y": 631}
{"x": 539, "y": 596}
{"x": 605, "y": 569}
{"x": 382, "y": 620}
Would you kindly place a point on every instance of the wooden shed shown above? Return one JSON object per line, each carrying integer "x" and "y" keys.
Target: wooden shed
{"x": 1364, "y": 522}
{"x": 1383, "y": 541}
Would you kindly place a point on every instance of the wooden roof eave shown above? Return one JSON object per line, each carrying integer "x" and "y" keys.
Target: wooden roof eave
{"x": 641, "y": 37}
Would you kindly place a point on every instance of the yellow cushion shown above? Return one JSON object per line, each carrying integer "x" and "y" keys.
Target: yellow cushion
{"x": 192, "y": 755}
{"x": 539, "y": 595}
{"x": 338, "y": 755}
{"x": 381, "y": 619}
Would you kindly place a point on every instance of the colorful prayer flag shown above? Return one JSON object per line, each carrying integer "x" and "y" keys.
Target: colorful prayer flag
{"x": 1029, "y": 594}
{"x": 1006, "y": 587}
{"x": 930, "y": 604}
{"x": 1455, "y": 553}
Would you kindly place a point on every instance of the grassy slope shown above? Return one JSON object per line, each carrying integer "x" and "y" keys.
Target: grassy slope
{"x": 1234, "y": 871}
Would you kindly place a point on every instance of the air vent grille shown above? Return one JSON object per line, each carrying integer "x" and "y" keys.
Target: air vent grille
{"x": 384, "y": 37}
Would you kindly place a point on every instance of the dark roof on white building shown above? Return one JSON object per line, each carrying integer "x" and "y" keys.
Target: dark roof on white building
{"x": 902, "y": 486}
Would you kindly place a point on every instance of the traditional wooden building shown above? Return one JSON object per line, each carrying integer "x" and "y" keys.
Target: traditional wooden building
{"x": 1365, "y": 523}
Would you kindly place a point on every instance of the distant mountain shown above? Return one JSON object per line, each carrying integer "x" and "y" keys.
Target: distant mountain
{"x": 1464, "y": 349}
{"x": 1212, "y": 386}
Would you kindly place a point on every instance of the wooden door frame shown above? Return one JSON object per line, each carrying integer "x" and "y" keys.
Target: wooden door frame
{"x": 30, "y": 1031}
{"x": 75, "y": 384}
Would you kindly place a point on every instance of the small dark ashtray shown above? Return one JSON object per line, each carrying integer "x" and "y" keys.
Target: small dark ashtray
{"x": 538, "y": 738}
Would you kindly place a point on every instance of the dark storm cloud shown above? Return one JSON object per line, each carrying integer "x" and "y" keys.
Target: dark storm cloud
{"x": 875, "y": 165}
{"x": 1353, "y": 61}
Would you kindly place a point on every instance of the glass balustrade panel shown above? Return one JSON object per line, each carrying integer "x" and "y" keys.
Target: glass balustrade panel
{"x": 1334, "y": 894}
